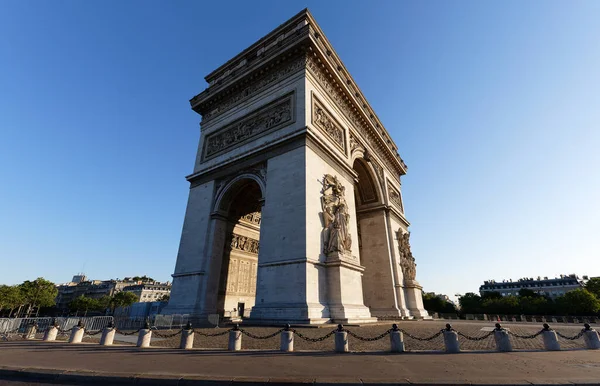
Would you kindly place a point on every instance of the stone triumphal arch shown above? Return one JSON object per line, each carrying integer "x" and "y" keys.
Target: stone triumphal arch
{"x": 295, "y": 209}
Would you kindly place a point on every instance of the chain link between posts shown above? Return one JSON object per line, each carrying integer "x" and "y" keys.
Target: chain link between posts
{"x": 432, "y": 337}
{"x": 309, "y": 339}
{"x": 371, "y": 339}
{"x": 532, "y": 336}
{"x": 475, "y": 338}
{"x": 571, "y": 337}
{"x": 155, "y": 332}
{"x": 251, "y": 335}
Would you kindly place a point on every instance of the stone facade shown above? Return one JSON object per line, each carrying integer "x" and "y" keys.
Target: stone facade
{"x": 295, "y": 210}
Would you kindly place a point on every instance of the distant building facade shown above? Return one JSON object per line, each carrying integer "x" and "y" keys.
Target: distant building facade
{"x": 149, "y": 292}
{"x": 81, "y": 286}
{"x": 543, "y": 286}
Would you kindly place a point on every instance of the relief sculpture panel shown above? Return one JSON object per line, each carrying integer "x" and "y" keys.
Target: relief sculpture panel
{"x": 327, "y": 123}
{"x": 259, "y": 122}
{"x": 337, "y": 241}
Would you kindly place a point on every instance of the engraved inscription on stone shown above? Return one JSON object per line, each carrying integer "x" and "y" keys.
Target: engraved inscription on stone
{"x": 260, "y": 122}
{"x": 327, "y": 123}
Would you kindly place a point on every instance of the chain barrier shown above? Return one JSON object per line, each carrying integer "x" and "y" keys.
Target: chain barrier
{"x": 127, "y": 333}
{"x": 475, "y": 338}
{"x": 309, "y": 339}
{"x": 571, "y": 337}
{"x": 532, "y": 336}
{"x": 88, "y": 333}
{"x": 166, "y": 335}
{"x": 209, "y": 335}
{"x": 251, "y": 335}
{"x": 372, "y": 339}
{"x": 432, "y": 337}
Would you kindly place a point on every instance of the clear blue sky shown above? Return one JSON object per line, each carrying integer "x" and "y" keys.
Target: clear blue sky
{"x": 495, "y": 107}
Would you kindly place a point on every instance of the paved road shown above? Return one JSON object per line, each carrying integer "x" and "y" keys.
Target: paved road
{"x": 538, "y": 367}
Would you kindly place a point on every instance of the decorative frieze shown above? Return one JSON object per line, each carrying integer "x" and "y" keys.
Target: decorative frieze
{"x": 256, "y": 86}
{"x": 323, "y": 119}
{"x": 395, "y": 198}
{"x": 355, "y": 144}
{"x": 244, "y": 243}
{"x": 346, "y": 106}
{"x": 260, "y": 122}
{"x": 251, "y": 218}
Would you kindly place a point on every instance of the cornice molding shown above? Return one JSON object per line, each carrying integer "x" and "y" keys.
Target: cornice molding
{"x": 266, "y": 61}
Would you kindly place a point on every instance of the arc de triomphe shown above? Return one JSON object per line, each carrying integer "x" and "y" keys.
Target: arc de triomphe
{"x": 295, "y": 209}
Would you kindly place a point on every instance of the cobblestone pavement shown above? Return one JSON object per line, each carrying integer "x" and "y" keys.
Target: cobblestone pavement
{"x": 421, "y": 329}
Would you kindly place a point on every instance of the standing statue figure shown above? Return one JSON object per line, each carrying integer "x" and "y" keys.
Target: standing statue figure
{"x": 407, "y": 261}
{"x": 335, "y": 217}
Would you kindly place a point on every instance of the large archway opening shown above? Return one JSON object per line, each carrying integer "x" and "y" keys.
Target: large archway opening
{"x": 373, "y": 242}
{"x": 237, "y": 280}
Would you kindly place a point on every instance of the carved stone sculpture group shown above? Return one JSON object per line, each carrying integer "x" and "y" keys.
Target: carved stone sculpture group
{"x": 243, "y": 243}
{"x": 407, "y": 261}
{"x": 335, "y": 217}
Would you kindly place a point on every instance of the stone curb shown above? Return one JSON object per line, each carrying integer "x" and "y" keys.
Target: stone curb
{"x": 88, "y": 377}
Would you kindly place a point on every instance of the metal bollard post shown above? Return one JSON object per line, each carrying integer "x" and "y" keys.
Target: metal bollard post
{"x": 396, "y": 339}
{"x": 451, "y": 340}
{"x": 550, "y": 339}
{"x": 144, "y": 337}
{"x": 51, "y": 332}
{"x": 341, "y": 339}
{"x": 108, "y": 335}
{"x": 235, "y": 339}
{"x": 77, "y": 333}
{"x": 591, "y": 338}
{"x": 502, "y": 339}
{"x": 187, "y": 337}
{"x": 287, "y": 340}
{"x": 30, "y": 331}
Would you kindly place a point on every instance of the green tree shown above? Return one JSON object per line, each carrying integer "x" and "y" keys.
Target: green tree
{"x": 578, "y": 302}
{"x": 83, "y": 304}
{"x": 470, "y": 303}
{"x": 164, "y": 298}
{"x": 434, "y": 303}
{"x": 533, "y": 305}
{"x": 526, "y": 292}
{"x": 505, "y": 305}
{"x": 38, "y": 293}
{"x": 10, "y": 298}
{"x": 123, "y": 299}
{"x": 593, "y": 285}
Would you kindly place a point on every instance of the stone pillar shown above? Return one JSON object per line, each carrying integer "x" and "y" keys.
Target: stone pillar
{"x": 414, "y": 299}
{"x": 550, "y": 339}
{"x": 341, "y": 339}
{"x": 287, "y": 340}
{"x": 51, "y": 334}
{"x": 187, "y": 337}
{"x": 502, "y": 339}
{"x": 77, "y": 333}
{"x": 235, "y": 340}
{"x": 451, "y": 340}
{"x": 30, "y": 331}
{"x": 396, "y": 339}
{"x": 144, "y": 337}
{"x": 591, "y": 338}
{"x": 108, "y": 335}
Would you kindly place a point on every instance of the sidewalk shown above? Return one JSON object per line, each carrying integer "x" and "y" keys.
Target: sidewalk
{"x": 85, "y": 363}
